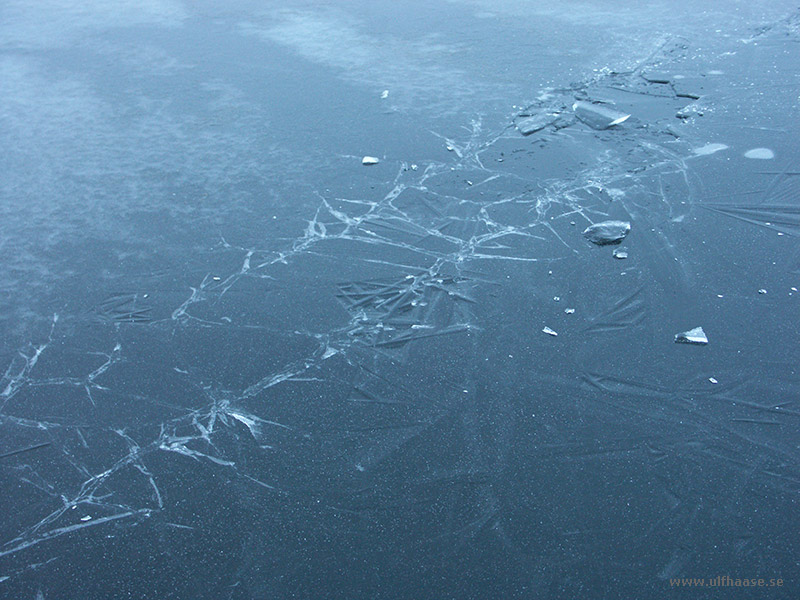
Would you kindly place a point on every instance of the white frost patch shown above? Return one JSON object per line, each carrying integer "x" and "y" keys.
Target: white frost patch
{"x": 709, "y": 149}
{"x": 760, "y": 153}
{"x": 59, "y": 23}
{"x": 418, "y": 69}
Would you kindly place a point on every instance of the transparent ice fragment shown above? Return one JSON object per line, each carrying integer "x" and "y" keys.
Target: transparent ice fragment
{"x": 693, "y": 336}
{"x": 598, "y": 116}
{"x": 620, "y": 254}
{"x": 607, "y": 232}
{"x": 535, "y": 123}
{"x": 549, "y": 331}
{"x": 370, "y": 160}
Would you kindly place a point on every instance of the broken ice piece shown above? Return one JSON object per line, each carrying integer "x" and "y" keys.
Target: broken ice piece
{"x": 86, "y": 518}
{"x": 597, "y": 116}
{"x": 607, "y": 232}
{"x": 693, "y": 336}
{"x": 712, "y": 380}
{"x": 535, "y": 123}
{"x": 549, "y": 331}
{"x": 569, "y": 311}
{"x": 762, "y": 291}
{"x": 656, "y": 77}
{"x": 620, "y": 254}
{"x": 370, "y": 160}
{"x": 385, "y": 94}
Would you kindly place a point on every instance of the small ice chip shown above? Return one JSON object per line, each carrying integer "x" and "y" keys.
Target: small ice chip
{"x": 384, "y": 94}
{"x": 569, "y": 311}
{"x": 370, "y": 160}
{"x": 760, "y": 154}
{"x": 598, "y": 116}
{"x": 86, "y": 518}
{"x": 693, "y": 336}
{"x": 215, "y": 278}
{"x": 620, "y": 254}
{"x": 607, "y": 232}
{"x": 712, "y": 380}
{"x": 549, "y": 331}
{"x": 762, "y": 291}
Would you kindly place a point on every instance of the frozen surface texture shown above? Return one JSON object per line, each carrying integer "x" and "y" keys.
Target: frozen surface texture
{"x": 237, "y": 363}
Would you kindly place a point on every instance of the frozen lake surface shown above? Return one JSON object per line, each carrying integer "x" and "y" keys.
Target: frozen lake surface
{"x": 296, "y": 300}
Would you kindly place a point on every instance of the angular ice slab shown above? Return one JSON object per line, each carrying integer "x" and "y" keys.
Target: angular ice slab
{"x": 693, "y": 336}
{"x": 607, "y": 232}
{"x": 370, "y": 160}
{"x": 535, "y": 123}
{"x": 598, "y": 116}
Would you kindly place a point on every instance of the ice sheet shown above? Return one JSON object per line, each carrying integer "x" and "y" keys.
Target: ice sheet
{"x": 237, "y": 363}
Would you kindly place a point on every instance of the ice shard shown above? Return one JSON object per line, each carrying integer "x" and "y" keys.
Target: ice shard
{"x": 693, "y": 336}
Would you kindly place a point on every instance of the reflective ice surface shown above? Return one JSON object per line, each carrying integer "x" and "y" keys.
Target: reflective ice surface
{"x": 239, "y": 363}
